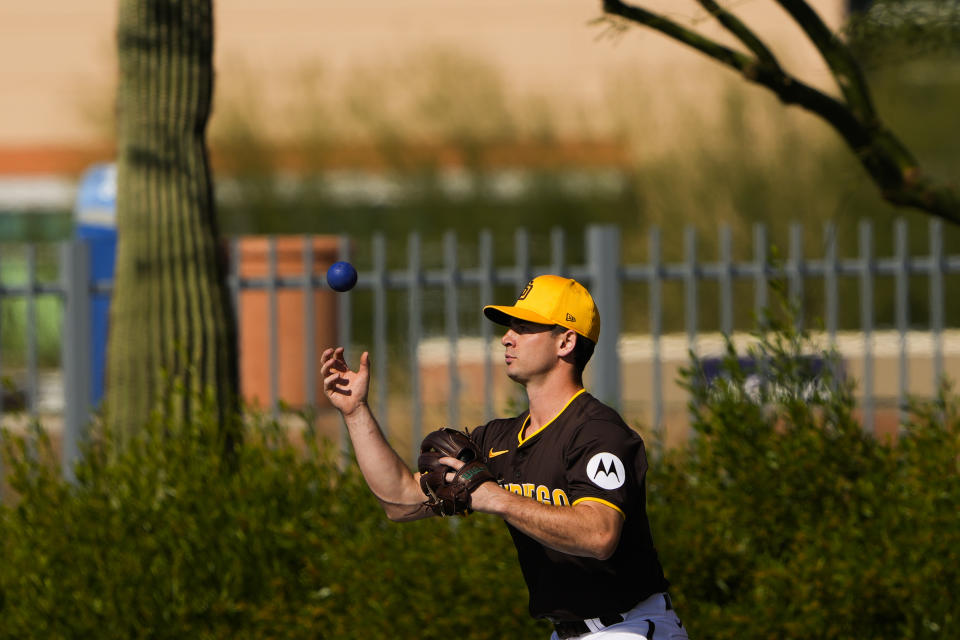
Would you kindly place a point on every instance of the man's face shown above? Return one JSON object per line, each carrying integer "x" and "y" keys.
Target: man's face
{"x": 531, "y": 350}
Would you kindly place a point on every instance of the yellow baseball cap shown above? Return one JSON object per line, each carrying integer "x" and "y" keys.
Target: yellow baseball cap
{"x": 552, "y": 300}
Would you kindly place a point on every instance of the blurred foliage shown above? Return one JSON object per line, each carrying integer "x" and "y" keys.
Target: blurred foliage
{"x": 780, "y": 519}
{"x": 885, "y": 31}
{"x": 784, "y": 519}
{"x": 158, "y": 539}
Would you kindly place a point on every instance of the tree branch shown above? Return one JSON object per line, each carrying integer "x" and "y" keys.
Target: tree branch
{"x": 734, "y": 25}
{"x": 689, "y": 37}
{"x": 844, "y": 67}
{"x": 890, "y": 164}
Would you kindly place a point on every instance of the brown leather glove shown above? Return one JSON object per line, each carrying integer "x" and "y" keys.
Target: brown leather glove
{"x": 450, "y": 498}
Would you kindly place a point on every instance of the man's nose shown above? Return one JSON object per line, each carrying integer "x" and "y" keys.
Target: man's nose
{"x": 508, "y": 338}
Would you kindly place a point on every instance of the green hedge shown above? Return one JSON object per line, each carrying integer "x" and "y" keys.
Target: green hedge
{"x": 782, "y": 519}
{"x": 161, "y": 541}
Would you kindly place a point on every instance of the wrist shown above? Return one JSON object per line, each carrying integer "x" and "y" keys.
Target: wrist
{"x": 356, "y": 410}
{"x": 486, "y": 498}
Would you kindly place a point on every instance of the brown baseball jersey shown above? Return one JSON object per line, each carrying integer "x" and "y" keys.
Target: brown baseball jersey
{"x": 586, "y": 452}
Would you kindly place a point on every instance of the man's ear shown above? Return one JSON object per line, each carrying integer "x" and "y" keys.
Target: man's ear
{"x": 567, "y": 343}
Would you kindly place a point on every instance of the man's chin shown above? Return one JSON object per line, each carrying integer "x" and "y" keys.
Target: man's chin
{"x": 515, "y": 375}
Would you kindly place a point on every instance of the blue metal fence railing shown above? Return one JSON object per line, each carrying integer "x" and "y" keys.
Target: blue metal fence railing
{"x": 419, "y": 304}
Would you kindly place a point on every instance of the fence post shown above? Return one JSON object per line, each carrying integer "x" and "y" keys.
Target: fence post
{"x": 75, "y": 284}
{"x": 902, "y": 314}
{"x": 344, "y": 334}
{"x": 936, "y": 298}
{"x": 381, "y": 355}
{"x": 1, "y": 443}
{"x": 414, "y": 329}
{"x": 451, "y": 319}
{"x": 487, "y": 277}
{"x": 760, "y": 273}
{"x": 656, "y": 328}
{"x": 603, "y": 265}
{"x": 866, "y": 320}
{"x": 273, "y": 362}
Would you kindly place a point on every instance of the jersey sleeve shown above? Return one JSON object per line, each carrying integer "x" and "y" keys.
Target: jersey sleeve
{"x": 605, "y": 464}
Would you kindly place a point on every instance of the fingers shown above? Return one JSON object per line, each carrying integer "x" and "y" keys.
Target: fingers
{"x": 332, "y": 359}
{"x": 332, "y": 368}
{"x": 335, "y": 382}
{"x": 453, "y": 463}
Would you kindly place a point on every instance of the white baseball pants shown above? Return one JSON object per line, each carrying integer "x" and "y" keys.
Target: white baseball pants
{"x": 649, "y": 620}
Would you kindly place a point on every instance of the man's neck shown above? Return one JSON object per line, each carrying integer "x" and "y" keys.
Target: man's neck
{"x": 547, "y": 399}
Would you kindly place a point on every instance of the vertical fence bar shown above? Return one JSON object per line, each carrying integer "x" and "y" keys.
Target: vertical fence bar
{"x": 830, "y": 281}
{"x": 656, "y": 328}
{"x": 413, "y": 338}
{"x": 521, "y": 245}
{"x": 450, "y": 301}
{"x": 344, "y": 330}
{"x": 486, "y": 327}
{"x": 32, "y": 377}
{"x": 690, "y": 286}
{"x": 1, "y": 360}
{"x": 760, "y": 273}
{"x": 866, "y": 320}
{"x": 234, "y": 281}
{"x": 380, "y": 330}
{"x": 691, "y": 273}
{"x": 558, "y": 264}
{"x": 1, "y": 382}
{"x": 726, "y": 280}
{"x": 936, "y": 298}
{"x": 796, "y": 273}
{"x": 273, "y": 338}
{"x": 902, "y": 312}
{"x": 309, "y": 326}
{"x": 75, "y": 283}
{"x": 603, "y": 264}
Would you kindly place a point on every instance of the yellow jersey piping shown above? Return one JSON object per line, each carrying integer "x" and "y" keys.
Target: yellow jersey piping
{"x": 521, "y": 439}
{"x": 601, "y": 501}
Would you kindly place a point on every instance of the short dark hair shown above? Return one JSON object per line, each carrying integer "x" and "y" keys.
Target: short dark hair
{"x": 582, "y": 351}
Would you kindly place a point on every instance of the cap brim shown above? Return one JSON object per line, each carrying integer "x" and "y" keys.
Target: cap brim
{"x": 503, "y": 314}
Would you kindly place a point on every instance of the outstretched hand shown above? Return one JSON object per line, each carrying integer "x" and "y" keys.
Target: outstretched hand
{"x": 346, "y": 389}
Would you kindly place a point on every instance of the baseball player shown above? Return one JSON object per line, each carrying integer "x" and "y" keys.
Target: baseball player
{"x": 567, "y": 475}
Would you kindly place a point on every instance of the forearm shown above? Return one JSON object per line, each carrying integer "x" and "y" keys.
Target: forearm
{"x": 587, "y": 529}
{"x": 388, "y": 477}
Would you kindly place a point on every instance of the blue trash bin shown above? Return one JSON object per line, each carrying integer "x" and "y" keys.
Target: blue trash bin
{"x": 95, "y": 215}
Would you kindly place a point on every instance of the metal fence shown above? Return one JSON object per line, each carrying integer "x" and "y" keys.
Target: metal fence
{"x": 601, "y": 270}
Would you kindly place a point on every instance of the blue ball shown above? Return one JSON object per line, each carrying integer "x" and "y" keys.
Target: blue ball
{"x": 341, "y": 276}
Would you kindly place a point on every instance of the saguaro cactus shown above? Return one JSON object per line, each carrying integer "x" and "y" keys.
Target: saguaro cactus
{"x": 171, "y": 325}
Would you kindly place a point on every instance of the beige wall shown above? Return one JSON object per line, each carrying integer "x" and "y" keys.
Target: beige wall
{"x": 57, "y": 65}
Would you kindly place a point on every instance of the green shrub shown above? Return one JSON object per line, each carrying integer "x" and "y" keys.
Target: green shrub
{"x": 784, "y": 519}
{"x": 781, "y": 519}
{"x": 158, "y": 539}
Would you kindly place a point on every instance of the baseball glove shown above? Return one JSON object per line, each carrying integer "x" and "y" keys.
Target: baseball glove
{"x": 450, "y": 498}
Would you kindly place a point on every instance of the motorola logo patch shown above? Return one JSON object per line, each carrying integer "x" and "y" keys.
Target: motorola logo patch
{"x": 606, "y": 471}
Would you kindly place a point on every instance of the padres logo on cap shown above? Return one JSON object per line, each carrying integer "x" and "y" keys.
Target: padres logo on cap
{"x": 526, "y": 291}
